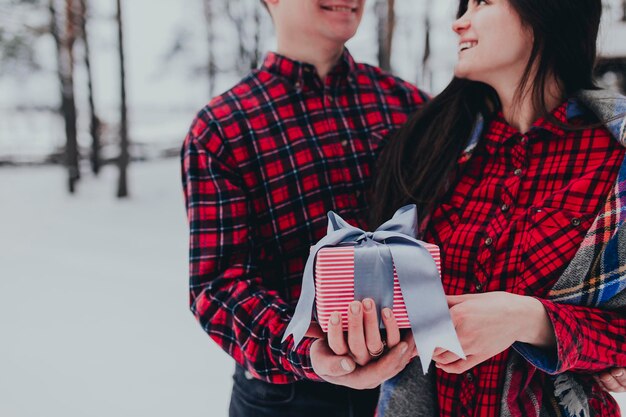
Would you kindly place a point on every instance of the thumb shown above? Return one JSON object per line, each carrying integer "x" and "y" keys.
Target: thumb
{"x": 326, "y": 363}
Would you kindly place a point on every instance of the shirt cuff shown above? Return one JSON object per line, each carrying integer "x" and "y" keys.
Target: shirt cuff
{"x": 299, "y": 359}
{"x": 564, "y": 356}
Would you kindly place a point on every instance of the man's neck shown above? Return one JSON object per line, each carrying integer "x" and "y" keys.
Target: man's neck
{"x": 322, "y": 58}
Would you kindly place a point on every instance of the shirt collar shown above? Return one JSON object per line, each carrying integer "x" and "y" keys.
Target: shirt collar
{"x": 499, "y": 131}
{"x": 301, "y": 73}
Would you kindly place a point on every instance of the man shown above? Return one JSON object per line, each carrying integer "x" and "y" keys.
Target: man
{"x": 262, "y": 164}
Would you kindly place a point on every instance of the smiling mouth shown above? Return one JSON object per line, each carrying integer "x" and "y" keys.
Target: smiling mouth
{"x": 464, "y": 46}
{"x": 344, "y": 9}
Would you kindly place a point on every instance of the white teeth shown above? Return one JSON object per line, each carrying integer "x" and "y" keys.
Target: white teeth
{"x": 466, "y": 45}
{"x": 339, "y": 9}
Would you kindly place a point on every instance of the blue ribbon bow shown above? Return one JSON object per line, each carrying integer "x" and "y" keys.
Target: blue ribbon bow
{"x": 375, "y": 254}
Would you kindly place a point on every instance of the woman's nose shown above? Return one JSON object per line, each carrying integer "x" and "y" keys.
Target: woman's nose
{"x": 460, "y": 24}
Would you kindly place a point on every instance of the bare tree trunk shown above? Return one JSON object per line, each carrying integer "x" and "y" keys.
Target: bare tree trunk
{"x": 64, "y": 40}
{"x": 385, "y": 10}
{"x": 124, "y": 157}
{"x": 256, "y": 52}
{"x": 208, "y": 15}
{"x": 248, "y": 45}
{"x": 427, "y": 80}
{"x": 94, "y": 123}
{"x": 237, "y": 16}
{"x": 623, "y": 10}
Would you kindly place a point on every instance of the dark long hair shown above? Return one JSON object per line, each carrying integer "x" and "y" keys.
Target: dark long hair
{"x": 418, "y": 161}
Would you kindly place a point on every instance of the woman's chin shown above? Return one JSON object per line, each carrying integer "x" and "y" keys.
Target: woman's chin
{"x": 466, "y": 74}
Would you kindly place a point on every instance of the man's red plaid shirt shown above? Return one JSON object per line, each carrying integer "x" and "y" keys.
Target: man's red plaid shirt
{"x": 514, "y": 219}
{"x": 262, "y": 165}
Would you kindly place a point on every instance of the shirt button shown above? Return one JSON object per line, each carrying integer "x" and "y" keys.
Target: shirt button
{"x": 518, "y": 172}
{"x": 469, "y": 376}
{"x": 298, "y": 84}
{"x": 488, "y": 241}
{"x": 504, "y": 207}
{"x": 575, "y": 221}
{"x": 479, "y": 287}
{"x": 344, "y": 143}
{"x": 523, "y": 140}
{"x": 248, "y": 375}
{"x": 330, "y": 98}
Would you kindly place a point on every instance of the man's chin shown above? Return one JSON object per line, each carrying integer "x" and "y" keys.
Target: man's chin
{"x": 341, "y": 36}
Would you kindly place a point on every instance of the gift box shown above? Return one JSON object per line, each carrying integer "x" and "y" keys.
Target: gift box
{"x": 389, "y": 265}
{"x": 334, "y": 284}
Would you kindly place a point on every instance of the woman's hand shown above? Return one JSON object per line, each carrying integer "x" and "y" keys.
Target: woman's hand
{"x": 487, "y": 324}
{"x": 613, "y": 380}
{"x": 359, "y": 360}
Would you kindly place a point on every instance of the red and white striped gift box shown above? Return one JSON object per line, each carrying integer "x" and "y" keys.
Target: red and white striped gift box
{"x": 334, "y": 284}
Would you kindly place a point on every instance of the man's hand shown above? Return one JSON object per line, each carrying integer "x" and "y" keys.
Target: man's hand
{"x": 342, "y": 370}
{"x": 359, "y": 360}
{"x": 613, "y": 380}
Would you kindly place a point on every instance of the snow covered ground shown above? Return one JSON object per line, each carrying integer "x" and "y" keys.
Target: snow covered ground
{"x": 93, "y": 301}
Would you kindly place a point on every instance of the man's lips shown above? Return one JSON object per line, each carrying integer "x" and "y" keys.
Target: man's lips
{"x": 339, "y": 8}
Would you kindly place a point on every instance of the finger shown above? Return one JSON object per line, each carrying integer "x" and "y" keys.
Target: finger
{"x": 446, "y": 358}
{"x": 376, "y": 372}
{"x": 620, "y": 376}
{"x": 415, "y": 353}
{"x": 461, "y": 365}
{"x": 609, "y": 382}
{"x": 604, "y": 387}
{"x": 391, "y": 327}
{"x": 410, "y": 341}
{"x": 438, "y": 351}
{"x": 315, "y": 331}
{"x": 373, "y": 340}
{"x": 336, "y": 339}
{"x": 356, "y": 335}
{"x": 326, "y": 364}
{"x": 392, "y": 362}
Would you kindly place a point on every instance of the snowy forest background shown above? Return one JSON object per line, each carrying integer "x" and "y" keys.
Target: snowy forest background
{"x": 95, "y": 99}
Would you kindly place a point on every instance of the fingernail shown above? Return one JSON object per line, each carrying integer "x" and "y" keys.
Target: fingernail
{"x": 334, "y": 318}
{"x": 346, "y": 365}
{"x": 368, "y": 304}
{"x": 387, "y": 313}
{"x": 355, "y": 307}
{"x": 404, "y": 348}
{"x": 618, "y": 374}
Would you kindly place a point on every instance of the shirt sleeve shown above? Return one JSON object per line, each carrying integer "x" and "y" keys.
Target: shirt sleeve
{"x": 227, "y": 295}
{"x": 588, "y": 340}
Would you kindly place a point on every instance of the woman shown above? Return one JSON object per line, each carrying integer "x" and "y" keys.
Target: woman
{"x": 511, "y": 174}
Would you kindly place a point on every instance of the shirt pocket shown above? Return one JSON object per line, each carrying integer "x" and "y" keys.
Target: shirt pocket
{"x": 551, "y": 239}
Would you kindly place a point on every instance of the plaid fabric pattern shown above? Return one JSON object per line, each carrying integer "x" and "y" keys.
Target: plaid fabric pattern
{"x": 588, "y": 298}
{"x": 593, "y": 282}
{"x": 513, "y": 221}
{"x": 261, "y": 166}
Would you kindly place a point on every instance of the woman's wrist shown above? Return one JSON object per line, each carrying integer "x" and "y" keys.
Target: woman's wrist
{"x": 535, "y": 324}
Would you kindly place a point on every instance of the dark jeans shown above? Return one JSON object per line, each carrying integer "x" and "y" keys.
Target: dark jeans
{"x": 254, "y": 398}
